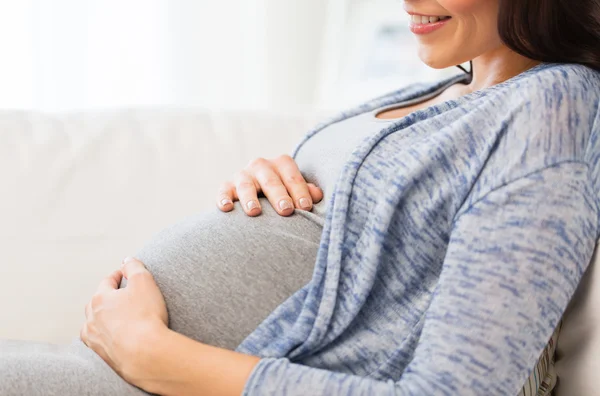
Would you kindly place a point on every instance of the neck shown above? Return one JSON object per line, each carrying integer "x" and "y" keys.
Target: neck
{"x": 497, "y": 66}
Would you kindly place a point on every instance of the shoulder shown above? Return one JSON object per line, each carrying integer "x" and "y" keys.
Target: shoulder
{"x": 540, "y": 120}
{"x": 558, "y": 77}
{"x": 568, "y": 97}
{"x": 550, "y": 112}
{"x": 558, "y": 89}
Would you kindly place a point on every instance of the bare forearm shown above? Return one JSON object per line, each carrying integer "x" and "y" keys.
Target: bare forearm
{"x": 177, "y": 365}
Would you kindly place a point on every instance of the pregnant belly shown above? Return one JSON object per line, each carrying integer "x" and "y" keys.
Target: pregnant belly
{"x": 222, "y": 273}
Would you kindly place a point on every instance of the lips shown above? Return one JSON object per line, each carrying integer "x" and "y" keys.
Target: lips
{"x": 423, "y": 24}
{"x": 424, "y": 19}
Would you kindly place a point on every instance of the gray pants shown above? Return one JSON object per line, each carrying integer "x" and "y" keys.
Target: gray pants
{"x": 221, "y": 275}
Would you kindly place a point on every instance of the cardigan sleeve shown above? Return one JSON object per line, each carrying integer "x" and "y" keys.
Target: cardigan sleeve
{"x": 514, "y": 259}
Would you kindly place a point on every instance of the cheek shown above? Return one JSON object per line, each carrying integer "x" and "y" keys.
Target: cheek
{"x": 472, "y": 32}
{"x": 463, "y": 7}
{"x": 474, "y": 18}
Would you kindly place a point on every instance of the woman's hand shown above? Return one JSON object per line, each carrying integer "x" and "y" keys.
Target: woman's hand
{"x": 120, "y": 323}
{"x": 128, "y": 328}
{"x": 278, "y": 179}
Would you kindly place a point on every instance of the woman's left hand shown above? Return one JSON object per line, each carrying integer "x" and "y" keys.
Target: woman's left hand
{"x": 121, "y": 323}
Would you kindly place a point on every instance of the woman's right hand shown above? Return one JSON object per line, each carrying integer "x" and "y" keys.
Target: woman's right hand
{"x": 278, "y": 179}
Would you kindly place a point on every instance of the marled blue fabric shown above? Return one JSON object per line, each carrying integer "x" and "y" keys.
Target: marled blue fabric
{"x": 455, "y": 238}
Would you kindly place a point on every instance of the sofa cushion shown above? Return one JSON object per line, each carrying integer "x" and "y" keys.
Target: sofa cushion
{"x": 578, "y": 349}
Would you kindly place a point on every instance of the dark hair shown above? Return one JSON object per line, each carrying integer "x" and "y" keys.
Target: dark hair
{"x": 556, "y": 31}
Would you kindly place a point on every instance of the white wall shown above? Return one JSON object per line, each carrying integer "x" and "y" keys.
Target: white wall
{"x": 16, "y": 38}
{"x": 294, "y": 37}
{"x": 66, "y": 54}
{"x": 217, "y": 53}
{"x": 74, "y": 54}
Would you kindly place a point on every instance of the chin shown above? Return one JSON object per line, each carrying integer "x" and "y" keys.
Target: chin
{"x": 436, "y": 59}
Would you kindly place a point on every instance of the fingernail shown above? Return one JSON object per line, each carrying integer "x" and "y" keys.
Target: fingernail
{"x": 126, "y": 260}
{"x": 251, "y": 205}
{"x": 304, "y": 203}
{"x": 284, "y": 204}
{"x": 226, "y": 202}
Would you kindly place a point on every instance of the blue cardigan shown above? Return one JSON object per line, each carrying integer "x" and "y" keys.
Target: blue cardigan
{"x": 455, "y": 238}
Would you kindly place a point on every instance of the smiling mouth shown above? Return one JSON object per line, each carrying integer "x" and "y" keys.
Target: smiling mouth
{"x": 425, "y": 19}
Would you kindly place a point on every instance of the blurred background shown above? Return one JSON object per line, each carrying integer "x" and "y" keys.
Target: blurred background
{"x": 60, "y": 55}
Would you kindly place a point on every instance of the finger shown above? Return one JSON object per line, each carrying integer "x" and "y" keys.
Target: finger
{"x": 293, "y": 181}
{"x": 315, "y": 192}
{"x": 131, "y": 267}
{"x": 248, "y": 193}
{"x": 226, "y": 196}
{"x": 111, "y": 282}
{"x": 273, "y": 188}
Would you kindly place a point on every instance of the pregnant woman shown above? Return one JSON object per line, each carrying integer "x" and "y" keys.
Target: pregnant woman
{"x": 425, "y": 243}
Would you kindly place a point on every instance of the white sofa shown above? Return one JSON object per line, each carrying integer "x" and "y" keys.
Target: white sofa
{"x": 80, "y": 191}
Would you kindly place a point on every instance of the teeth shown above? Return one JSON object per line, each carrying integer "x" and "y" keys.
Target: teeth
{"x": 421, "y": 20}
